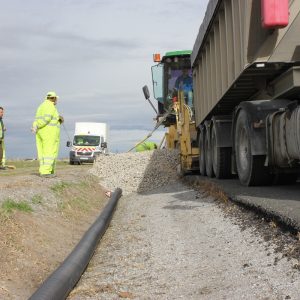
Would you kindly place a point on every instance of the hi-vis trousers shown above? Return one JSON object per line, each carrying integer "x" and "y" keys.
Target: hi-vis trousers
{"x": 47, "y": 149}
{"x": 2, "y": 153}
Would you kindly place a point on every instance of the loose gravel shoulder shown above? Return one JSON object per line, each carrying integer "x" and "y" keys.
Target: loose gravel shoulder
{"x": 137, "y": 172}
{"x": 175, "y": 243}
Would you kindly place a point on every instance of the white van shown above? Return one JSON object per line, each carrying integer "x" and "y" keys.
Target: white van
{"x": 90, "y": 140}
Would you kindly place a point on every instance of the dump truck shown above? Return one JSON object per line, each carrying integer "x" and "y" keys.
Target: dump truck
{"x": 90, "y": 140}
{"x": 246, "y": 74}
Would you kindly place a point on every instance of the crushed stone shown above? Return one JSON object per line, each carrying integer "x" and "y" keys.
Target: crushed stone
{"x": 137, "y": 172}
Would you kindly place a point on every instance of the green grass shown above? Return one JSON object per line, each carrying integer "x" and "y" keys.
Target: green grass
{"x": 74, "y": 203}
{"x": 28, "y": 167}
{"x": 21, "y": 164}
{"x": 83, "y": 184}
{"x": 59, "y": 187}
{"x": 37, "y": 199}
{"x": 9, "y": 205}
{"x": 80, "y": 203}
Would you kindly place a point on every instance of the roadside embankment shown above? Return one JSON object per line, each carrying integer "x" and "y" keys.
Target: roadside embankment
{"x": 41, "y": 220}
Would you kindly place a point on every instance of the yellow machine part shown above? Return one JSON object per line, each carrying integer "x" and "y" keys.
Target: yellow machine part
{"x": 172, "y": 137}
{"x": 183, "y": 135}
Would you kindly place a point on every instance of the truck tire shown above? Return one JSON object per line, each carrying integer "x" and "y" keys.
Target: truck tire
{"x": 221, "y": 158}
{"x": 250, "y": 168}
{"x": 71, "y": 162}
{"x": 202, "y": 153}
{"x": 208, "y": 156}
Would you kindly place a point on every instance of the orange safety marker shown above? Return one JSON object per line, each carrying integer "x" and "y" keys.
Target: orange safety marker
{"x": 108, "y": 194}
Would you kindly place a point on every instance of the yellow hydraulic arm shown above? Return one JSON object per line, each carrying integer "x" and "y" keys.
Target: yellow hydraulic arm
{"x": 183, "y": 136}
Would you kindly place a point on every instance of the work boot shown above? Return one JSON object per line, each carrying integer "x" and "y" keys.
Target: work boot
{"x": 3, "y": 168}
{"x": 48, "y": 175}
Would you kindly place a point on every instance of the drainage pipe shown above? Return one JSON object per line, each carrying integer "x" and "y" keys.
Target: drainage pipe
{"x": 60, "y": 283}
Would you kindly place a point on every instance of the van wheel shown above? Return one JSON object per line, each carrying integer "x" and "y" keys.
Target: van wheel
{"x": 250, "y": 168}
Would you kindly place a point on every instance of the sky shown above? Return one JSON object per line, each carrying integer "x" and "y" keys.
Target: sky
{"x": 96, "y": 55}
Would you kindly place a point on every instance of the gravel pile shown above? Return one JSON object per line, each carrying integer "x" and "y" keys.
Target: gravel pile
{"x": 137, "y": 172}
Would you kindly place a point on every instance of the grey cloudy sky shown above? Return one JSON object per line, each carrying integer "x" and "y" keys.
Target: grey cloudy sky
{"x": 96, "y": 54}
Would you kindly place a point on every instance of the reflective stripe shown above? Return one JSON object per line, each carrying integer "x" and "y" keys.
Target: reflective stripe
{"x": 47, "y": 158}
{"x": 44, "y": 117}
{"x": 52, "y": 124}
{"x": 50, "y": 162}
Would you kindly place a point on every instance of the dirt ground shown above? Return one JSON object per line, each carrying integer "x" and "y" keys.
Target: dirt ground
{"x": 33, "y": 243}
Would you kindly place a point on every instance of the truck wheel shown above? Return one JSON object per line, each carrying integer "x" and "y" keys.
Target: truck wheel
{"x": 250, "y": 168}
{"x": 71, "y": 162}
{"x": 221, "y": 158}
{"x": 202, "y": 153}
{"x": 208, "y": 158}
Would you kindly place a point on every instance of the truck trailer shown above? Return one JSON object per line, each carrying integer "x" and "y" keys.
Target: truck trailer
{"x": 246, "y": 81}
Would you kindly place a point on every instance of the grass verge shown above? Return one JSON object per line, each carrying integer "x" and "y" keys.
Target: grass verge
{"x": 9, "y": 205}
{"x": 37, "y": 199}
{"x": 74, "y": 198}
{"x": 60, "y": 187}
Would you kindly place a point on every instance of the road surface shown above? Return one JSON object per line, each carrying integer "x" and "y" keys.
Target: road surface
{"x": 282, "y": 202}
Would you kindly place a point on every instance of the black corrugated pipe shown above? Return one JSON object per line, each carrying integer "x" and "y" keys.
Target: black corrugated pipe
{"x": 59, "y": 284}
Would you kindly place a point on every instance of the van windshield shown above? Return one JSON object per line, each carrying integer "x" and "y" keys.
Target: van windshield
{"x": 86, "y": 140}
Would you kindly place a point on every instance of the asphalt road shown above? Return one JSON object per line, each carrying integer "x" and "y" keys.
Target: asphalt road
{"x": 280, "y": 202}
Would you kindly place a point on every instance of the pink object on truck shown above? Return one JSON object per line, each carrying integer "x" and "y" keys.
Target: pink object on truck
{"x": 275, "y": 13}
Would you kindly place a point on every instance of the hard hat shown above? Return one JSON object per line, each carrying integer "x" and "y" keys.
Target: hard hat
{"x": 52, "y": 95}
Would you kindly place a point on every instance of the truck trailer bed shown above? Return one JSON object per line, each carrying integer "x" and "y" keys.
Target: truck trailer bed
{"x": 236, "y": 59}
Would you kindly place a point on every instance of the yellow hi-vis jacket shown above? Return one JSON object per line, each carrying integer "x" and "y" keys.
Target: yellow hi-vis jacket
{"x": 1, "y": 130}
{"x": 47, "y": 126}
{"x": 3, "y": 145}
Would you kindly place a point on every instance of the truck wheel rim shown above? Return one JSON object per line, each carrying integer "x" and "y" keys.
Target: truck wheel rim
{"x": 243, "y": 149}
{"x": 214, "y": 149}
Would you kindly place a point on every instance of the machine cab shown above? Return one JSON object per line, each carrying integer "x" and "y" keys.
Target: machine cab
{"x": 172, "y": 75}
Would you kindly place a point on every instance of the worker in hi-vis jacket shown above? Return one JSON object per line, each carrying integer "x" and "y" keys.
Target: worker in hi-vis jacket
{"x": 46, "y": 126}
{"x": 2, "y": 147}
{"x": 145, "y": 146}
